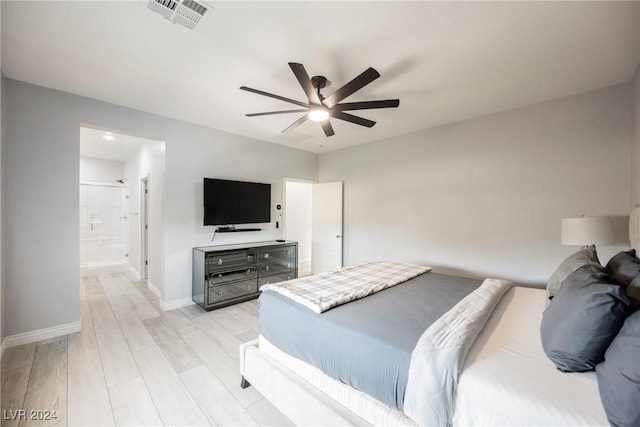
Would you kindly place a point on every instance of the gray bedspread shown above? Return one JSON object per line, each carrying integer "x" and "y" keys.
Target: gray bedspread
{"x": 366, "y": 343}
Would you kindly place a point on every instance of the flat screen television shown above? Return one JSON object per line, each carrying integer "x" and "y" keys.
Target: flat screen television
{"x": 236, "y": 202}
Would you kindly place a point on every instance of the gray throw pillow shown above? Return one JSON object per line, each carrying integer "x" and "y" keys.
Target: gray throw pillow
{"x": 586, "y": 256}
{"x": 582, "y": 319}
{"x": 619, "y": 375}
{"x": 633, "y": 291}
{"x": 625, "y": 268}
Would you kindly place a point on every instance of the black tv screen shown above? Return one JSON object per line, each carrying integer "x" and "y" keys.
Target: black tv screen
{"x": 236, "y": 202}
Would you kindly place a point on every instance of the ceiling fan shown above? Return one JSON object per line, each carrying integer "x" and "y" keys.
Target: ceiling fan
{"x": 319, "y": 108}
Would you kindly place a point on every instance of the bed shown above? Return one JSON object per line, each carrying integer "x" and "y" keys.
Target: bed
{"x": 503, "y": 377}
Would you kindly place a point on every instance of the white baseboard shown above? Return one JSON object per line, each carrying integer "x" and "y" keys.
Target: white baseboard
{"x": 135, "y": 272}
{"x": 176, "y": 303}
{"x": 40, "y": 334}
{"x": 154, "y": 290}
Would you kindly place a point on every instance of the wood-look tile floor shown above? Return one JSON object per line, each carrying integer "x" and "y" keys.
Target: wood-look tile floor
{"x": 133, "y": 364}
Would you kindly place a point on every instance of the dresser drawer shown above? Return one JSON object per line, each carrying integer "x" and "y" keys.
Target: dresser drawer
{"x": 287, "y": 252}
{"x": 220, "y": 277}
{"x": 233, "y": 290}
{"x": 277, "y": 278}
{"x": 276, "y": 267}
{"x": 234, "y": 259}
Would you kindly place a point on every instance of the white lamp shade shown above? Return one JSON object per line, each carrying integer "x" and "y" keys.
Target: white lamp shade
{"x": 586, "y": 231}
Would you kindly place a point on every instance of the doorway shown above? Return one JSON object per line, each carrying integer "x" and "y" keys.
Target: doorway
{"x": 119, "y": 161}
{"x": 313, "y": 218}
{"x": 297, "y": 220}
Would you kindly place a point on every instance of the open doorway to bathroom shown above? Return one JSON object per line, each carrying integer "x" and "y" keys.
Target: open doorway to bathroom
{"x": 121, "y": 186}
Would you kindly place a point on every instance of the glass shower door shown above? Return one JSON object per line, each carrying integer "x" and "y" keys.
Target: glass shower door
{"x": 104, "y": 232}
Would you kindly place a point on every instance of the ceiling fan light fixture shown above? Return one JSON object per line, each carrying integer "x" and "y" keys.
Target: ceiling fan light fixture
{"x": 319, "y": 114}
{"x": 321, "y": 109}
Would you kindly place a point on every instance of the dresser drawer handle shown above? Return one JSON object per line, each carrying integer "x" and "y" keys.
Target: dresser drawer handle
{"x": 220, "y": 275}
{"x": 219, "y": 293}
{"x": 220, "y": 261}
{"x": 288, "y": 265}
{"x": 249, "y": 258}
{"x": 266, "y": 268}
{"x": 248, "y": 287}
{"x": 266, "y": 256}
{"x": 248, "y": 271}
{"x": 289, "y": 252}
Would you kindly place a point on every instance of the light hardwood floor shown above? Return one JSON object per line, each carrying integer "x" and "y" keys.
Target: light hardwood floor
{"x": 134, "y": 364}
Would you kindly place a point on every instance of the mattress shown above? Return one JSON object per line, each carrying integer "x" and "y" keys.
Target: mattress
{"x": 366, "y": 343}
{"x": 508, "y": 380}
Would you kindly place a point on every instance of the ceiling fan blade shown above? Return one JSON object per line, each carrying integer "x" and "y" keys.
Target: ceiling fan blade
{"x": 295, "y": 124}
{"x": 270, "y": 95}
{"x": 366, "y": 105}
{"x": 354, "y": 85}
{"x": 268, "y": 113}
{"x": 327, "y": 128}
{"x": 353, "y": 119}
{"x": 305, "y": 82}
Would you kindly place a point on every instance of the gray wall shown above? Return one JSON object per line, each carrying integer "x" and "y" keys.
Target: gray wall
{"x": 40, "y": 175}
{"x": 485, "y": 197}
{"x": 635, "y": 141}
{"x": 199, "y": 154}
{"x": 2, "y": 298}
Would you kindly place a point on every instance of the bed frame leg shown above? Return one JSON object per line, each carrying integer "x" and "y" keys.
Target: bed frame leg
{"x": 244, "y": 383}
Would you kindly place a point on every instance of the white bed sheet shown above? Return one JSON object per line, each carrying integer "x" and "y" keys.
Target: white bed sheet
{"x": 508, "y": 380}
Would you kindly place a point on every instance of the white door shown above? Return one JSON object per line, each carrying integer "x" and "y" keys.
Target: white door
{"x": 326, "y": 227}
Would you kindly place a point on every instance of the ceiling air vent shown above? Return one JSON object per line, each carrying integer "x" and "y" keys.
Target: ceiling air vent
{"x": 189, "y": 13}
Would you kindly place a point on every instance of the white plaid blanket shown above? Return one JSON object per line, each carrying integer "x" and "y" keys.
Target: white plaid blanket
{"x": 327, "y": 290}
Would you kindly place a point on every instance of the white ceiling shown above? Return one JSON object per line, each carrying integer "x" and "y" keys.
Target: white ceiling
{"x": 446, "y": 61}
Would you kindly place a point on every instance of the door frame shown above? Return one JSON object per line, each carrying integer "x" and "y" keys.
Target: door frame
{"x": 144, "y": 227}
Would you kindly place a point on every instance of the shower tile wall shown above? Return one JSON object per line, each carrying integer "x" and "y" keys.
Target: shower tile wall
{"x": 103, "y": 225}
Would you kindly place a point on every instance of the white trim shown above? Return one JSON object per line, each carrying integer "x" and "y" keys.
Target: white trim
{"x": 135, "y": 272}
{"x": 41, "y": 334}
{"x": 176, "y": 303}
{"x": 154, "y": 290}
